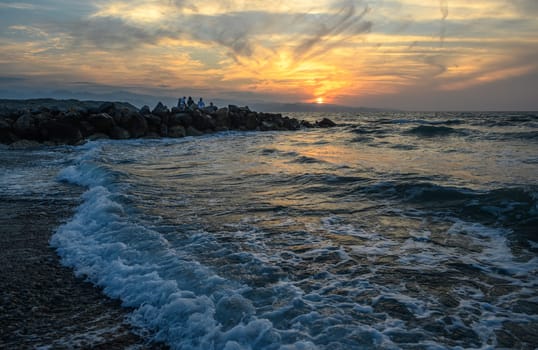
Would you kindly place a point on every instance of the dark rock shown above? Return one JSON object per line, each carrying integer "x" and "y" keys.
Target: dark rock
{"x": 152, "y": 119}
{"x": 267, "y": 125}
{"x": 153, "y": 122}
{"x": 275, "y": 120}
{"x": 102, "y": 122}
{"x": 235, "y": 120}
{"x": 251, "y": 121}
{"x": 160, "y": 110}
{"x": 291, "y": 124}
{"x": 145, "y": 110}
{"x": 233, "y": 109}
{"x": 177, "y": 131}
{"x": 119, "y": 133}
{"x": 62, "y": 131}
{"x": 7, "y": 137}
{"x": 118, "y": 116}
{"x": 326, "y": 123}
{"x": 87, "y": 128}
{"x": 306, "y": 124}
{"x": 192, "y": 131}
{"x": 26, "y": 126}
{"x": 164, "y": 130}
{"x": 165, "y": 118}
{"x": 136, "y": 124}
{"x": 5, "y": 123}
{"x": 222, "y": 118}
{"x": 98, "y": 136}
{"x": 184, "y": 119}
{"x": 106, "y": 107}
{"x": 175, "y": 110}
{"x": 202, "y": 121}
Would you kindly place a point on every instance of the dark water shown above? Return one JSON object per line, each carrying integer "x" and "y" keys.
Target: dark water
{"x": 413, "y": 231}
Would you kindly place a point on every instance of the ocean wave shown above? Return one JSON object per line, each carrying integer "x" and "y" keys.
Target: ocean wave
{"x": 433, "y": 131}
{"x": 515, "y": 207}
{"x": 181, "y": 301}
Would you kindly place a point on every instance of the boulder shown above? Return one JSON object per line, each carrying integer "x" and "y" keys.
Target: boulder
{"x": 145, "y": 110}
{"x": 202, "y": 121}
{"x": 119, "y": 133}
{"x": 7, "y": 137}
{"x": 291, "y": 124}
{"x": 152, "y": 119}
{"x": 106, "y": 107}
{"x": 153, "y": 122}
{"x": 177, "y": 131}
{"x": 87, "y": 128}
{"x": 136, "y": 124}
{"x": 5, "y": 123}
{"x": 164, "y": 130}
{"x": 192, "y": 131}
{"x": 267, "y": 125}
{"x": 184, "y": 119}
{"x": 235, "y": 119}
{"x": 60, "y": 131}
{"x": 326, "y": 123}
{"x": 251, "y": 121}
{"x": 160, "y": 110}
{"x": 306, "y": 124}
{"x": 233, "y": 109}
{"x": 222, "y": 118}
{"x": 102, "y": 122}
{"x": 98, "y": 136}
{"x": 119, "y": 117}
{"x": 26, "y": 126}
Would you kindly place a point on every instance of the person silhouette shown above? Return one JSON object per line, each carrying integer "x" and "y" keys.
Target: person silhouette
{"x": 201, "y": 103}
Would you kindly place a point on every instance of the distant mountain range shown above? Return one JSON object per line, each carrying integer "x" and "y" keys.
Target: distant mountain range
{"x": 139, "y": 100}
{"x": 311, "y": 107}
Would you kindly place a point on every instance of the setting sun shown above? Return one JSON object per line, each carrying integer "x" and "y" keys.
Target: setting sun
{"x": 319, "y": 100}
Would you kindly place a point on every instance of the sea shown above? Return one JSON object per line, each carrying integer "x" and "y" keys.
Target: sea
{"x": 389, "y": 231}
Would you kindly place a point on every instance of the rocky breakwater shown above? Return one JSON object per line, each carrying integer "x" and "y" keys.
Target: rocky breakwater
{"x": 53, "y": 122}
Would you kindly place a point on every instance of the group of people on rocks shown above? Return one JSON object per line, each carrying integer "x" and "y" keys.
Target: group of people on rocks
{"x": 185, "y": 104}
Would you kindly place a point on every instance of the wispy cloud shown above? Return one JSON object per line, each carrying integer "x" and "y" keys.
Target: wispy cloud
{"x": 343, "y": 50}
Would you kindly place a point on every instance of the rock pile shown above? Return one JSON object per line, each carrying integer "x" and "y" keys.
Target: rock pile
{"x": 79, "y": 122}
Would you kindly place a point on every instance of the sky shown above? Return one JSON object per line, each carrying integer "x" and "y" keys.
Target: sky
{"x": 398, "y": 54}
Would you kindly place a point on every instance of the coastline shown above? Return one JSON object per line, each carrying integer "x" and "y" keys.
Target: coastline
{"x": 42, "y": 303}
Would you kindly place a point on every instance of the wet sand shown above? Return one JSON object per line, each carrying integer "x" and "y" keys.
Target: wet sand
{"x": 42, "y": 303}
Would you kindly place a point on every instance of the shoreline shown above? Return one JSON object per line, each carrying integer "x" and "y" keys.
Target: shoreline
{"x": 42, "y": 303}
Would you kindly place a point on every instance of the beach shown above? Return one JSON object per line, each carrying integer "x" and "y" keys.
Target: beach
{"x": 42, "y": 303}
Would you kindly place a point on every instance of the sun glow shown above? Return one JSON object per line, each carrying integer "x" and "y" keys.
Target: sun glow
{"x": 319, "y": 100}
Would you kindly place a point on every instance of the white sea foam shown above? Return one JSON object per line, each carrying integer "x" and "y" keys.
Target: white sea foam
{"x": 181, "y": 301}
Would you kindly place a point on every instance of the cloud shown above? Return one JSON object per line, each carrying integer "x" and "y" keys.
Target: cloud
{"x": 147, "y": 22}
{"x": 333, "y": 28}
{"x": 111, "y": 34}
{"x": 527, "y": 7}
{"x": 276, "y": 49}
{"x": 443, "y": 5}
{"x": 18, "y": 6}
